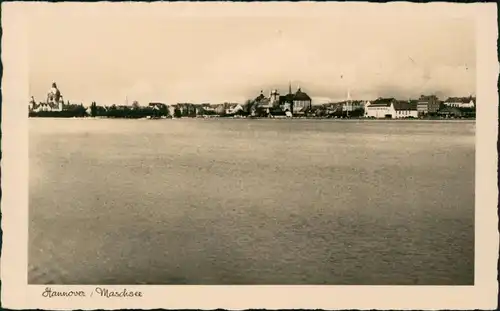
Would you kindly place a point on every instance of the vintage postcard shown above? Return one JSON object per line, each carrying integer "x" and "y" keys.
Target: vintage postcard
{"x": 267, "y": 155}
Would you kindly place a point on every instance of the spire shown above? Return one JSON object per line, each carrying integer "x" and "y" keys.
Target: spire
{"x": 289, "y": 87}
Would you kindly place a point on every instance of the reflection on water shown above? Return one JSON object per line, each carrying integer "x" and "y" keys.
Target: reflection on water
{"x": 251, "y": 202}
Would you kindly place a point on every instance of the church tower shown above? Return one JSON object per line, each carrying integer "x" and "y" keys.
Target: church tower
{"x": 274, "y": 97}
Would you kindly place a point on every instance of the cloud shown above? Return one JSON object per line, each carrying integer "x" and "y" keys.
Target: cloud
{"x": 231, "y": 59}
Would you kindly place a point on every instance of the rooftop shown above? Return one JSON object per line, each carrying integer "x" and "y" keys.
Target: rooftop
{"x": 382, "y": 102}
{"x": 460, "y": 99}
{"x": 402, "y": 105}
{"x": 299, "y": 95}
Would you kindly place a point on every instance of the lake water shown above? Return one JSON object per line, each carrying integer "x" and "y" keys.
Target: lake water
{"x": 226, "y": 201}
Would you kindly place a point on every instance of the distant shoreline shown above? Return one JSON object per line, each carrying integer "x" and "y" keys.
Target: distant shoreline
{"x": 266, "y": 118}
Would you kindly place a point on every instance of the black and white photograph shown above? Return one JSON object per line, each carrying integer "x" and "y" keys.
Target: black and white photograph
{"x": 179, "y": 144}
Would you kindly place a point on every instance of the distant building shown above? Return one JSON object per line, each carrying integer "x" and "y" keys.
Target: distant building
{"x": 333, "y": 108}
{"x": 54, "y": 102}
{"x": 47, "y": 107}
{"x": 296, "y": 103}
{"x": 301, "y": 102}
{"x": 157, "y": 106}
{"x": 55, "y": 99}
{"x": 262, "y": 101}
{"x": 219, "y": 108}
{"x": 380, "y": 108}
{"x": 42, "y": 107}
{"x": 461, "y": 102}
{"x": 234, "y": 108}
{"x": 427, "y": 105}
{"x": 405, "y": 110}
{"x": 267, "y": 105}
{"x": 450, "y": 112}
{"x": 274, "y": 98}
{"x": 171, "y": 109}
{"x": 206, "y": 109}
{"x": 351, "y": 105}
{"x": 187, "y": 109}
{"x": 390, "y": 108}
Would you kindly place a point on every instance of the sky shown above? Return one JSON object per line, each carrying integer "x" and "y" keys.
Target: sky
{"x": 170, "y": 53}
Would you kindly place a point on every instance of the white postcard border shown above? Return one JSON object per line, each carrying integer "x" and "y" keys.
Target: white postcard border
{"x": 16, "y": 294}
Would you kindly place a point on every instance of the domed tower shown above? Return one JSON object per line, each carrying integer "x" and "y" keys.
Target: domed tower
{"x": 54, "y": 97}
{"x": 301, "y": 102}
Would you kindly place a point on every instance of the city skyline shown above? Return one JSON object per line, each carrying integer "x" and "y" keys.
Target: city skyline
{"x": 157, "y": 54}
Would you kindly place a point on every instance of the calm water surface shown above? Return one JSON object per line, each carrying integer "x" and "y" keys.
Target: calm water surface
{"x": 251, "y": 202}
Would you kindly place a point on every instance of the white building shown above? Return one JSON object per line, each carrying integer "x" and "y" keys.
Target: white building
{"x": 171, "y": 109}
{"x": 380, "y": 108}
{"x": 390, "y": 108}
{"x": 234, "y": 109}
{"x": 47, "y": 107}
{"x": 405, "y": 110}
{"x": 461, "y": 102}
{"x": 352, "y": 105}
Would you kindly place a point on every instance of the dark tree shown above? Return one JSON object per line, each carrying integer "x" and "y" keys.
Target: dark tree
{"x": 248, "y": 106}
{"x": 164, "y": 111}
{"x": 177, "y": 112}
{"x": 93, "y": 109}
